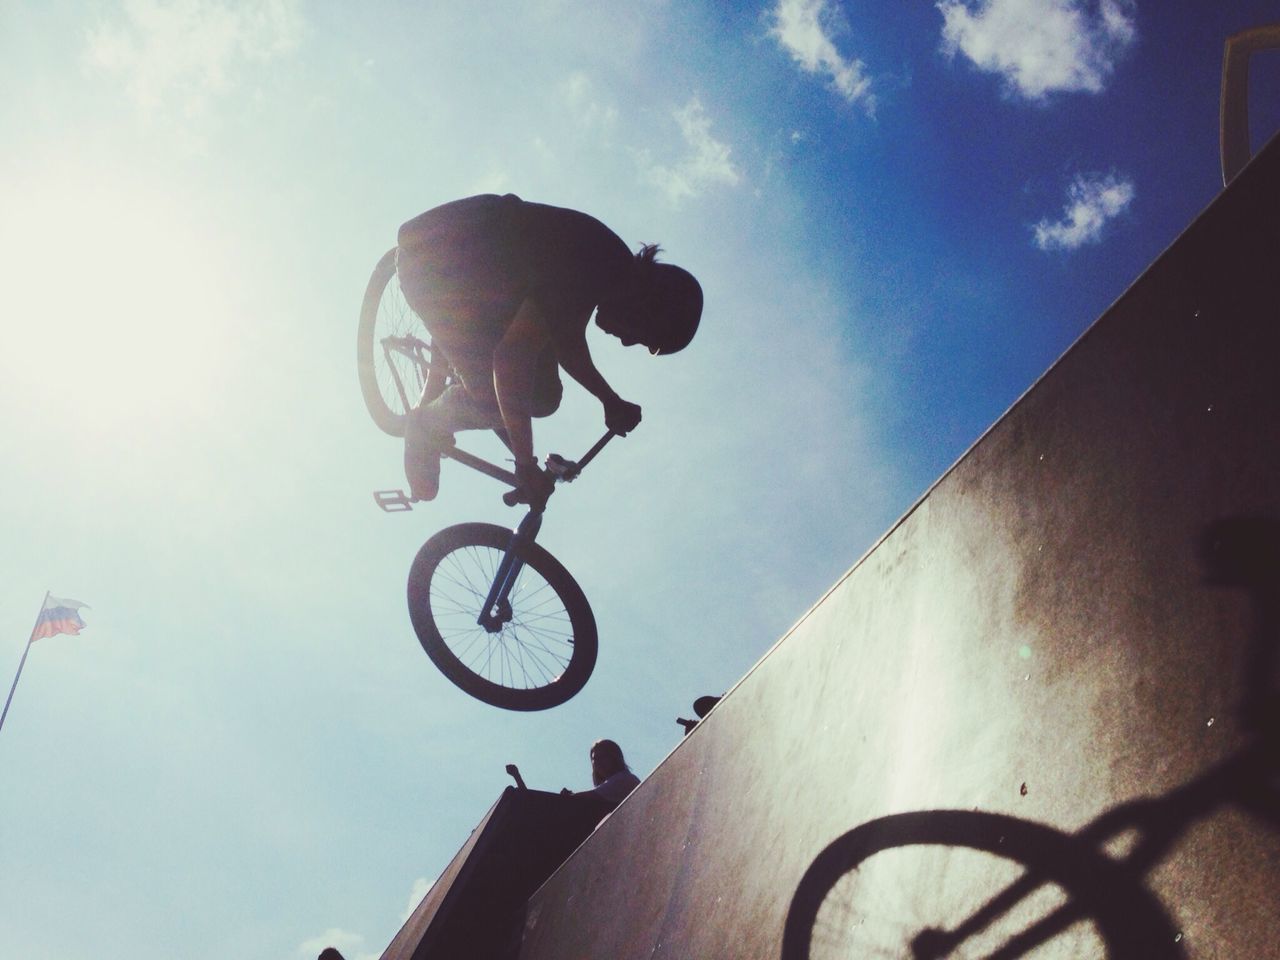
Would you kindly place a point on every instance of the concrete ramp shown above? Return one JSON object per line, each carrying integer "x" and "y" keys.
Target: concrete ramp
{"x": 475, "y": 908}
{"x": 1040, "y": 716}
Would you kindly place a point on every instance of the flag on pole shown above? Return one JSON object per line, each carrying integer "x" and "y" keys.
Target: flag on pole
{"x": 58, "y": 615}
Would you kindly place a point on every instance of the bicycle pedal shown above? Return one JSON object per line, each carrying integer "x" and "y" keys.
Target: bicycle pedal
{"x": 392, "y": 501}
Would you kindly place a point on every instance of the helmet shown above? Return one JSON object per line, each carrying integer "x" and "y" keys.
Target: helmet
{"x": 677, "y": 308}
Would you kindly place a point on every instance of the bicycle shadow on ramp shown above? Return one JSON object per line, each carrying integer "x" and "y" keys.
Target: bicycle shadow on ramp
{"x": 952, "y": 883}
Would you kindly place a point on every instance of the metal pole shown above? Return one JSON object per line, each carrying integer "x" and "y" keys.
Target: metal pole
{"x": 22, "y": 662}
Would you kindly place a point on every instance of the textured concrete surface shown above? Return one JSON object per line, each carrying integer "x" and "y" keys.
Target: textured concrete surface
{"x": 1041, "y": 712}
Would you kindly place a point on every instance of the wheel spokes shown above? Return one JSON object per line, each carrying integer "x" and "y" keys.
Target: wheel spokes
{"x": 531, "y": 650}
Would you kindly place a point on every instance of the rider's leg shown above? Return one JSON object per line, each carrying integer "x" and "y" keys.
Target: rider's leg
{"x": 432, "y": 426}
{"x": 464, "y": 301}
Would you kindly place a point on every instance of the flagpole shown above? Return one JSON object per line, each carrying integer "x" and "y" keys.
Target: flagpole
{"x": 22, "y": 662}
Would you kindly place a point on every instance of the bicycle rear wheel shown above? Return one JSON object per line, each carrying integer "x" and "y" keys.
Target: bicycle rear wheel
{"x": 543, "y": 651}
{"x": 393, "y": 350}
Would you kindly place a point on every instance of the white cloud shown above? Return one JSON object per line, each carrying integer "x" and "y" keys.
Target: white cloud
{"x": 418, "y": 891}
{"x": 493, "y": 180}
{"x": 1091, "y": 202}
{"x": 804, "y": 29}
{"x": 580, "y": 97}
{"x": 1040, "y": 46}
{"x": 186, "y": 53}
{"x": 707, "y": 163}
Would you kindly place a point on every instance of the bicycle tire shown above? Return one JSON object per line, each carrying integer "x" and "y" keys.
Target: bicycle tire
{"x": 539, "y": 659}
{"x": 1127, "y": 920}
{"x": 383, "y": 313}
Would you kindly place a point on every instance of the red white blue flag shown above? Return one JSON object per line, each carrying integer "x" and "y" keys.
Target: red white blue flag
{"x": 59, "y": 615}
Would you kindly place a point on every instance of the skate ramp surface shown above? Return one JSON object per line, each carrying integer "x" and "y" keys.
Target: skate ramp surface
{"x": 1039, "y": 713}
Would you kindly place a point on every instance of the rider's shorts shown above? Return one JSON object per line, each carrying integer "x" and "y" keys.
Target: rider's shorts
{"x": 461, "y": 270}
{"x": 460, "y": 267}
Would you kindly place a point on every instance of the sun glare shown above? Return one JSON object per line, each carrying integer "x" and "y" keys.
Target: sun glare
{"x": 113, "y": 303}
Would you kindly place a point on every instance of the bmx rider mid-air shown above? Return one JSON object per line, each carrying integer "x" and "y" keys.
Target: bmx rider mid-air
{"x": 506, "y": 289}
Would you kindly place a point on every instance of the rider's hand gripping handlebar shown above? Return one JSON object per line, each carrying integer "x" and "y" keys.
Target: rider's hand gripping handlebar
{"x": 559, "y": 469}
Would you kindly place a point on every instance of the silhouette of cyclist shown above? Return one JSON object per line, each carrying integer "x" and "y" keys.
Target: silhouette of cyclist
{"x": 506, "y": 289}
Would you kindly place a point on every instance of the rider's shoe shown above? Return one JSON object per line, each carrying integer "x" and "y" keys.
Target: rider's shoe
{"x": 421, "y": 458}
{"x": 423, "y": 473}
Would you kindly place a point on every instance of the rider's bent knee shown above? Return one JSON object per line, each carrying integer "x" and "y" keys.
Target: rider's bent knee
{"x": 546, "y": 399}
{"x": 426, "y": 426}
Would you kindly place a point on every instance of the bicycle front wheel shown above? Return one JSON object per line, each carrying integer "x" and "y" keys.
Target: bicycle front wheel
{"x": 541, "y": 647}
{"x": 393, "y": 350}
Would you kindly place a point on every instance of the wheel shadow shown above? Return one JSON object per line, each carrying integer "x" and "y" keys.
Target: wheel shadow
{"x": 1028, "y": 883}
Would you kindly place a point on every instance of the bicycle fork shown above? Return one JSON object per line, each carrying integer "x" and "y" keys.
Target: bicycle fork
{"x": 497, "y": 605}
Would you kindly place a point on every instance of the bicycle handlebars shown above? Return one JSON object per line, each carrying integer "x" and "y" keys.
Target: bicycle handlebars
{"x": 561, "y": 469}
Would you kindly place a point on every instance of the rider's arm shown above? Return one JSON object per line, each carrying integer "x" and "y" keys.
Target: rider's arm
{"x": 575, "y": 357}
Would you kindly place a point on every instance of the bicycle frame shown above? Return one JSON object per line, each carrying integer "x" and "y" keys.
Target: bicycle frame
{"x": 417, "y": 352}
{"x": 497, "y": 608}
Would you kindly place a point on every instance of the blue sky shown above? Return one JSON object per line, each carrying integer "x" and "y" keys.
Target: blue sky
{"x": 901, "y": 214}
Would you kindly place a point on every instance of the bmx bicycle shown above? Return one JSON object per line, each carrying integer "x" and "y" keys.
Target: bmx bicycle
{"x": 497, "y": 614}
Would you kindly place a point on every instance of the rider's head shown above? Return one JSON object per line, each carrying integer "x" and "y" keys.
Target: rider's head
{"x": 660, "y": 306}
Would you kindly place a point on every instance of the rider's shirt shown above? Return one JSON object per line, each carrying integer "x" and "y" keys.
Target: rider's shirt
{"x": 616, "y": 788}
{"x": 469, "y": 264}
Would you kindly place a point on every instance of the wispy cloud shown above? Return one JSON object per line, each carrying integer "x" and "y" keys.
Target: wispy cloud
{"x": 1040, "y": 47}
{"x": 584, "y": 105}
{"x": 419, "y": 890}
{"x": 805, "y": 29}
{"x": 1092, "y": 200}
{"x": 708, "y": 162}
{"x": 184, "y": 54}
